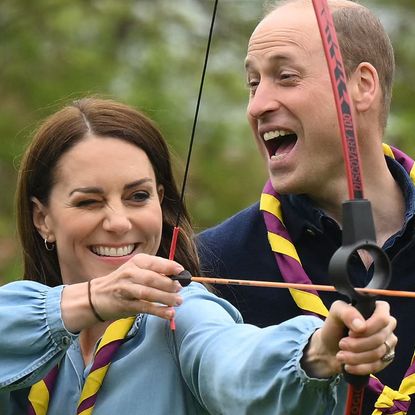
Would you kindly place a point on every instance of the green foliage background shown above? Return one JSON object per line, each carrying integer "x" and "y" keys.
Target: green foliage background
{"x": 149, "y": 53}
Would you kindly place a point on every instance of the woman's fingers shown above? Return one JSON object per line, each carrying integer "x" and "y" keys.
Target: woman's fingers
{"x": 138, "y": 286}
{"x": 364, "y": 363}
{"x": 150, "y": 290}
{"x": 156, "y": 310}
{"x": 371, "y": 341}
{"x": 156, "y": 264}
{"x": 341, "y": 315}
{"x": 379, "y": 320}
{"x": 363, "y": 350}
{"x": 367, "y": 355}
{"x": 147, "y": 278}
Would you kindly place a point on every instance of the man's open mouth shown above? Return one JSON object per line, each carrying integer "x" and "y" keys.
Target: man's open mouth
{"x": 279, "y": 142}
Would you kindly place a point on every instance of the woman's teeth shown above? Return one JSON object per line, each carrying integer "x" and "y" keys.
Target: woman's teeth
{"x": 111, "y": 251}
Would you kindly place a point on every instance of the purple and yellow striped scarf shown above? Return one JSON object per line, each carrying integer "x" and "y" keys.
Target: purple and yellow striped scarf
{"x": 390, "y": 401}
{"x": 40, "y": 393}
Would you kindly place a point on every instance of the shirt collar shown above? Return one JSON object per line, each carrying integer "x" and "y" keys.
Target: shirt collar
{"x": 406, "y": 185}
{"x": 408, "y": 189}
{"x": 301, "y": 216}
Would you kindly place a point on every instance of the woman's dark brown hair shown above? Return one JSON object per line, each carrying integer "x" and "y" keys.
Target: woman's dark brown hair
{"x": 59, "y": 133}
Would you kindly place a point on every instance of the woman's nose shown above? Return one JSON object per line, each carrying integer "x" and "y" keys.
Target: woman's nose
{"x": 117, "y": 220}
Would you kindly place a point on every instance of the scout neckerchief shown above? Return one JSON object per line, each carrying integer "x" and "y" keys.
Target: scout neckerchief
{"x": 114, "y": 336}
{"x": 292, "y": 271}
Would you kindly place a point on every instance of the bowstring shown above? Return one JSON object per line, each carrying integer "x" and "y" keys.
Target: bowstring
{"x": 176, "y": 229}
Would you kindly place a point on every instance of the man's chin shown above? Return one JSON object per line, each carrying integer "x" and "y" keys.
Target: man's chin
{"x": 282, "y": 186}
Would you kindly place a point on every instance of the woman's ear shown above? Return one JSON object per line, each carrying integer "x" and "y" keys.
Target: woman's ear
{"x": 365, "y": 91}
{"x": 40, "y": 220}
{"x": 160, "y": 192}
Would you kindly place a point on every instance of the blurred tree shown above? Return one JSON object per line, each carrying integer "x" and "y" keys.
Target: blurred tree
{"x": 149, "y": 53}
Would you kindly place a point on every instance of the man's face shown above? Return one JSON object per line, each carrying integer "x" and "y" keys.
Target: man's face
{"x": 291, "y": 105}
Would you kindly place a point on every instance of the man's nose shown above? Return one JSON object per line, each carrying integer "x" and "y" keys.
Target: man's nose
{"x": 263, "y": 100}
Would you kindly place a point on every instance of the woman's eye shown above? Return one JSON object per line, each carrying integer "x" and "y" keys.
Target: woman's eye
{"x": 86, "y": 202}
{"x": 140, "y": 196}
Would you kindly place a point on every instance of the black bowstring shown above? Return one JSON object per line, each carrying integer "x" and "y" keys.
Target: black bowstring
{"x": 202, "y": 80}
{"x": 189, "y": 154}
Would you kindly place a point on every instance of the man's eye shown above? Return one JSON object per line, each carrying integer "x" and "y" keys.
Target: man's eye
{"x": 289, "y": 77}
{"x": 252, "y": 84}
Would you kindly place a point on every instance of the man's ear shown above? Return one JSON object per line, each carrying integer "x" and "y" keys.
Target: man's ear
{"x": 40, "y": 220}
{"x": 365, "y": 87}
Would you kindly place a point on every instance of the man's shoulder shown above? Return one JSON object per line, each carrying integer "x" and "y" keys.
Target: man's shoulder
{"x": 234, "y": 246}
{"x": 240, "y": 222}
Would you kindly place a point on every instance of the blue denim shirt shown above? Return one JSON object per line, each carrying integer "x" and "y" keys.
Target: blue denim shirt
{"x": 226, "y": 367}
{"x": 238, "y": 248}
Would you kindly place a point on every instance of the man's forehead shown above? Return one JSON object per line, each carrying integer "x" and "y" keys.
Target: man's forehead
{"x": 285, "y": 26}
{"x": 309, "y": 3}
{"x": 305, "y": 8}
{"x": 290, "y": 15}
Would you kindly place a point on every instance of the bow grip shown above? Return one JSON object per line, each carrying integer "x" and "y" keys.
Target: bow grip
{"x": 359, "y": 234}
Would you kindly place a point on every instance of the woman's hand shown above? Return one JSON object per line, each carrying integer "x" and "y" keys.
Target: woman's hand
{"x": 361, "y": 349}
{"x": 140, "y": 285}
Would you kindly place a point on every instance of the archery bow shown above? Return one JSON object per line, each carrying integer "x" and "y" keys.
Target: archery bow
{"x": 358, "y": 226}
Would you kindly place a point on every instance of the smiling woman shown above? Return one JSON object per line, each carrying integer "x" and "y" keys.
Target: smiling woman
{"x": 76, "y": 159}
{"x": 97, "y": 220}
{"x": 87, "y": 330}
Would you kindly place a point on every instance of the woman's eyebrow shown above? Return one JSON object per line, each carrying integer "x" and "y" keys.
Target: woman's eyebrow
{"x": 138, "y": 183}
{"x": 86, "y": 190}
{"x": 100, "y": 190}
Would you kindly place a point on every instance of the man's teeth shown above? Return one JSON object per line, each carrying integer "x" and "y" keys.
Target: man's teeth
{"x": 269, "y": 135}
{"x": 111, "y": 251}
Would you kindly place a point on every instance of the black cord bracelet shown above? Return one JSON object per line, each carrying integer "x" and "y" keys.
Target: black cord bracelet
{"x": 92, "y": 306}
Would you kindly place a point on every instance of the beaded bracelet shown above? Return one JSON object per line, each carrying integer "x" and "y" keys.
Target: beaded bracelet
{"x": 92, "y": 306}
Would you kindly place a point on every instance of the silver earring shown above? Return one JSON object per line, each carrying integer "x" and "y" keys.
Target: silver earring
{"x": 50, "y": 246}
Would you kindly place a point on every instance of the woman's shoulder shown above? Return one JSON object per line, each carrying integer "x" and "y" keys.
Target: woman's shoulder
{"x": 199, "y": 302}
